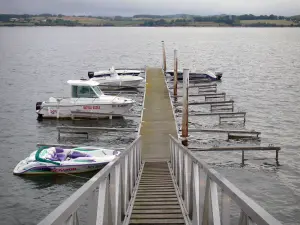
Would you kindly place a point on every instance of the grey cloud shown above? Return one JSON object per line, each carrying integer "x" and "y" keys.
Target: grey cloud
{"x": 131, "y": 7}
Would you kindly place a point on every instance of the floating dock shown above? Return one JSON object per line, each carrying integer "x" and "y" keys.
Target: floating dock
{"x": 156, "y": 201}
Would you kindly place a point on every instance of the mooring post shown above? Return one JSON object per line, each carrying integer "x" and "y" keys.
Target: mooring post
{"x": 57, "y": 108}
{"x": 243, "y": 158}
{"x": 185, "y": 104}
{"x": 175, "y": 72}
{"x": 164, "y": 57}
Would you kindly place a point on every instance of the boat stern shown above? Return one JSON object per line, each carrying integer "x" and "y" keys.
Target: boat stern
{"x": 219, "y": 75}
{"x": 38, "y": 107}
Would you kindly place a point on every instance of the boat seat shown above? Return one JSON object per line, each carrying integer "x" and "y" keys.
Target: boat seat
{"x": 61, "y": 156}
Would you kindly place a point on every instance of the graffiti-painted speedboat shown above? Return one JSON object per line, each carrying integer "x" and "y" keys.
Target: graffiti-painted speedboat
{"x": 52, "y": 160}
{"x": 86, "y": 99}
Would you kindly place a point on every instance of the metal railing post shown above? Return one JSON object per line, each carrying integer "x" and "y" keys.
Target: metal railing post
{"x": 177, "y": 163}
{"x": 104, "y": 214}
{"x": 126, "y": 193}
{"x": 187, "y": 182}
{"x": 215, "y": 203}
{"x": 196, "y": 194}
{"x": 117, "y": 194}
{"x": 164, "y": 57}
{"x": 207, "y": 204}
{"x": 181, "y": 172}
{"x": 175, "y": 77}
{"x": 131, "y": 168}
{"x": 225, "y": 210}
{"x": 92, "y": 208}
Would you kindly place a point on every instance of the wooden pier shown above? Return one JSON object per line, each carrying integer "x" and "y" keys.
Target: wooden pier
{"x": 156, "y": 179}
{"x": 156, "y": 200}
{"x": 158, "y": 120}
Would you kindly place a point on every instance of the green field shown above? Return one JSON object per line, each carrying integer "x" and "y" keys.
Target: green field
{"x": 15, "y": 24}
{"x": 207, "y": 24}
{"x": 277, "y": 22}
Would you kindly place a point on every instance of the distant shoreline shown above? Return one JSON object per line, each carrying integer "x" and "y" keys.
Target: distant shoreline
{"x": 181, "y": 20}
{"x": 187, "y": 26}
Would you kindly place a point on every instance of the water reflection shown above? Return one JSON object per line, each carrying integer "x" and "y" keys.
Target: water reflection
{"x": 44, "y": 181}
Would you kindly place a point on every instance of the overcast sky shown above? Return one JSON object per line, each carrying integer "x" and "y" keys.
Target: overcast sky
{"x": 165, "y": 7}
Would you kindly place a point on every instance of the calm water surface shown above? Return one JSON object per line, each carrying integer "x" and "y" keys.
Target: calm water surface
{"x": 261, "y": 73}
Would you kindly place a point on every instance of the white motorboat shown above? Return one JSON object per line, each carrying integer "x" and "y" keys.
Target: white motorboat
{"x": 86, "y": 99}
{"x": 53, "y": 160}
{"x": 112, "y": 80}
{"x": 207, "y": 74}
{"x": 126, "y": 72}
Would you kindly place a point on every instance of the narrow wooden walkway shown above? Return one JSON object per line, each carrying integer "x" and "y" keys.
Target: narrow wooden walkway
{"x": 158, "y": 120}
{"x": 156, "y": 201}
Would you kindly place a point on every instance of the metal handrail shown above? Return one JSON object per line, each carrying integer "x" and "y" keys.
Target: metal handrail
{"x": 116, "y": 180}
{"x": 198, "y": 186}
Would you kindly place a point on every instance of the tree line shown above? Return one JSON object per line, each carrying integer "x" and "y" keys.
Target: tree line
{"x": 153, "y": 20}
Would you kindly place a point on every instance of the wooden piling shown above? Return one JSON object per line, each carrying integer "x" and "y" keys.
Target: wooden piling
{"x": 175, "y": 73}
{"x": 185, "y": 111}
{"x": 164, "y": 57}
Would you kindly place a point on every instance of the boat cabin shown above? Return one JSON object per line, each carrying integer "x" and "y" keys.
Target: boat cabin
{"x": 85, "y": 89}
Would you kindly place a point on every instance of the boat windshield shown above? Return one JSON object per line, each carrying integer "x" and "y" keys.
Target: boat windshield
{"x": 97, "y": 90}
{"x": 86, "y": 92}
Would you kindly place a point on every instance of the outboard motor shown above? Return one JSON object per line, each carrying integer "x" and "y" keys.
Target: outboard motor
{"x": 219, "y": 75}
{"x": 38, "y": 105}
{"x": 91, "y": 74}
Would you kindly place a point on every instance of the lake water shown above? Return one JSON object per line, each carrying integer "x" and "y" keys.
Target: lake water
{"x": 261, "y": 73}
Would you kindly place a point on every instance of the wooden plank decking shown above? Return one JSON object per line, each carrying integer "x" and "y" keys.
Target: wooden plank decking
{"x": 158, "y": 120}
{"x": 156, "y": 200}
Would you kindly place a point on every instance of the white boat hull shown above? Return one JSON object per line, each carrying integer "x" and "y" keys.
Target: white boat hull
{"x": 84, "y": 111}
{"x": 44, "y": 168}
{"x": 86, "y": 101}
{"x": 120, "y": 82}
{"x": 94, "y": 161}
